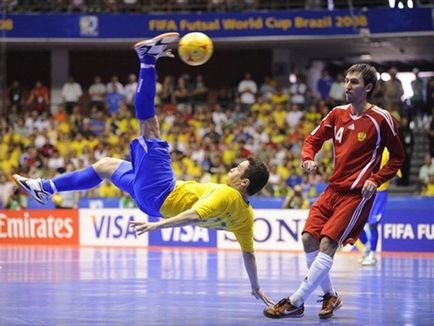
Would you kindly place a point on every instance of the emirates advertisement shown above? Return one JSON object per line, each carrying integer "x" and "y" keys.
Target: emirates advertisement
{"x": 39, "y": 227}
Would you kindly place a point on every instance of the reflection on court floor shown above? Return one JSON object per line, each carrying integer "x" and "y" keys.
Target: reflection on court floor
{"x": 102, "y": 286}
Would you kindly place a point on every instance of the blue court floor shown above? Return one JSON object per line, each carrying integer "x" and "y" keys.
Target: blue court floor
{"x": 101, "y": 286}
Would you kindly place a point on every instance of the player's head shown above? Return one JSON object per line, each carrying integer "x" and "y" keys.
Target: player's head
{"x": 364, "y": 73}
{"x": 250, "y": 176}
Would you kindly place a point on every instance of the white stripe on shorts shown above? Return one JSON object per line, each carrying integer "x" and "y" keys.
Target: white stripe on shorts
{"x": 353, "y": 220}
{"x": 143, "y": 143}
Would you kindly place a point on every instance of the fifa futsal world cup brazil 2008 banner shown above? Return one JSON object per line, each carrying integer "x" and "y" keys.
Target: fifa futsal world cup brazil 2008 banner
{"x": 224, "y": 25}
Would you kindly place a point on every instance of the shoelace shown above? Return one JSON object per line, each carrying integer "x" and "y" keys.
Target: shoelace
{"x": 323, "y": 297}
{"x": 282, "y": 302}
{"x": 167, "y": 53}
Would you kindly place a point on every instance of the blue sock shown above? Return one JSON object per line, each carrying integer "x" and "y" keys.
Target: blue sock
{"x": 78, "y": 180}
{"x": 146, "y": 88}
{"x": 374, "y": 238}
{"x": 363, "y": 238}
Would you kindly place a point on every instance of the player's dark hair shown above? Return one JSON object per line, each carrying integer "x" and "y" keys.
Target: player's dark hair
{"x": 369, "y": 74}
{"x": 258, "y": 174}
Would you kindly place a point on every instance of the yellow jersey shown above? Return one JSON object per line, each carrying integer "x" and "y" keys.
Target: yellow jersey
{"x": 108, "y": 190}
{"x": 384, "y": 160}
{"x": 429, "y": 190}
{"x": 219, "y": 206}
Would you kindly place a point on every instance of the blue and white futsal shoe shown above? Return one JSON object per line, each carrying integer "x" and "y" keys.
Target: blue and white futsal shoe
{"x": 34, "y": 188}
{"x": 156, "y": 46}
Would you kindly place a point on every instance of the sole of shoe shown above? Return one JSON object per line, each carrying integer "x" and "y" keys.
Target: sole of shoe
{"x": 329, "y": 315}
{"x": 291, "y": 315}
{"x": 157, "y": 38}
{"x": 26, "y": 189}
{"x": 283, "y": 316}
{"x": 361, "y": 259}
{"x": 18, "y": 181}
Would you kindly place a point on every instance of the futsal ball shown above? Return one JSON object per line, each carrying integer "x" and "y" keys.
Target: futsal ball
{"x": 195, "y": 48}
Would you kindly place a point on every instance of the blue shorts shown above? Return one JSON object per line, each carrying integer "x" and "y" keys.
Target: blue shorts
{"x": 378, "y": 207}
{"x": 149, "y": 178}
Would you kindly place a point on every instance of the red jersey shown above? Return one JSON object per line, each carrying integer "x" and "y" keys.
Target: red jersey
{"x": 358, "y": 143}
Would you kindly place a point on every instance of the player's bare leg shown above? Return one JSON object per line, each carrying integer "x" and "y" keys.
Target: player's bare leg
{"x": 150, "y": 128}
{"x": 106, "y": 166}
{"x": 328, "y": 246}
{"x": 310, "y": 243}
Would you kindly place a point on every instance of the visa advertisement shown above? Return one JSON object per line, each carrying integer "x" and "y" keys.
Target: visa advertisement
{"x": 110, "y": 227}
{"x": 274, "y": 229}
{"x": 219, "y": 25}
{"x": 186, "y": 236}
{"x": 39, "y": 227}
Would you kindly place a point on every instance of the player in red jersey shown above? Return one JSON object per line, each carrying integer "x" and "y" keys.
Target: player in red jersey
{"x": 360, "y": 131}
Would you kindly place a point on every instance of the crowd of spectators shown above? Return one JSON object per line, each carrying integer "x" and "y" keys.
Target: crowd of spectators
{"x": 137, "y": 6}
{"x": 209, "y": 130}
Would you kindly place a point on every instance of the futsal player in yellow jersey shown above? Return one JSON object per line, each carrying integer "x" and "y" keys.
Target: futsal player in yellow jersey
{"x": 370, "y": 237}
{"x": 150, "y": 180}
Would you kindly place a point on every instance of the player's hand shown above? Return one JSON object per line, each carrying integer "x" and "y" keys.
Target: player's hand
{"x": 259, "y": 294}
{"x": 142, "y": 227}
{"x": 369, "y": 188}
{"x": 309, "y": 166}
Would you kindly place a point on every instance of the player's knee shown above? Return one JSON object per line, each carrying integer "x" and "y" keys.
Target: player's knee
{"x": 106, "y": 166}
{"x": 328, "y": 246}
{"x": 310, "y": 243}
{"x": 306, "y": 237}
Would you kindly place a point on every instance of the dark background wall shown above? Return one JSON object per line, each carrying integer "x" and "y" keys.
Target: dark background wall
{"x": 224, "y": 68}
{"x": 27, "y": 67}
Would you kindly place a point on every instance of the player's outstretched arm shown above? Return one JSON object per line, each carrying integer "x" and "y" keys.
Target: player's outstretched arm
{"x": 252, "y": 271}
{"x": 185, "y": 218}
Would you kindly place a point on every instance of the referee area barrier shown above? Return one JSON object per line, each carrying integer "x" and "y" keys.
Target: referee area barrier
{"x": 407, "y": 226}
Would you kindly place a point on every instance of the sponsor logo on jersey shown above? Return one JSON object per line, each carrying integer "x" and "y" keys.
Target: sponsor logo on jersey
{"x": 361, "y": 136}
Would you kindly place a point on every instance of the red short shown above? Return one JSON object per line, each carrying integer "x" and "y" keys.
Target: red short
{"x": 340, "y": 216}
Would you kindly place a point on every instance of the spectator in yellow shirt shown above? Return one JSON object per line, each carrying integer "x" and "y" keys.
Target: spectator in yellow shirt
{"x": 279, "y": 97}
{"x": 260, "y": 106}
{"x": 108, "y": 190}
{"x": 429, "y": 190}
